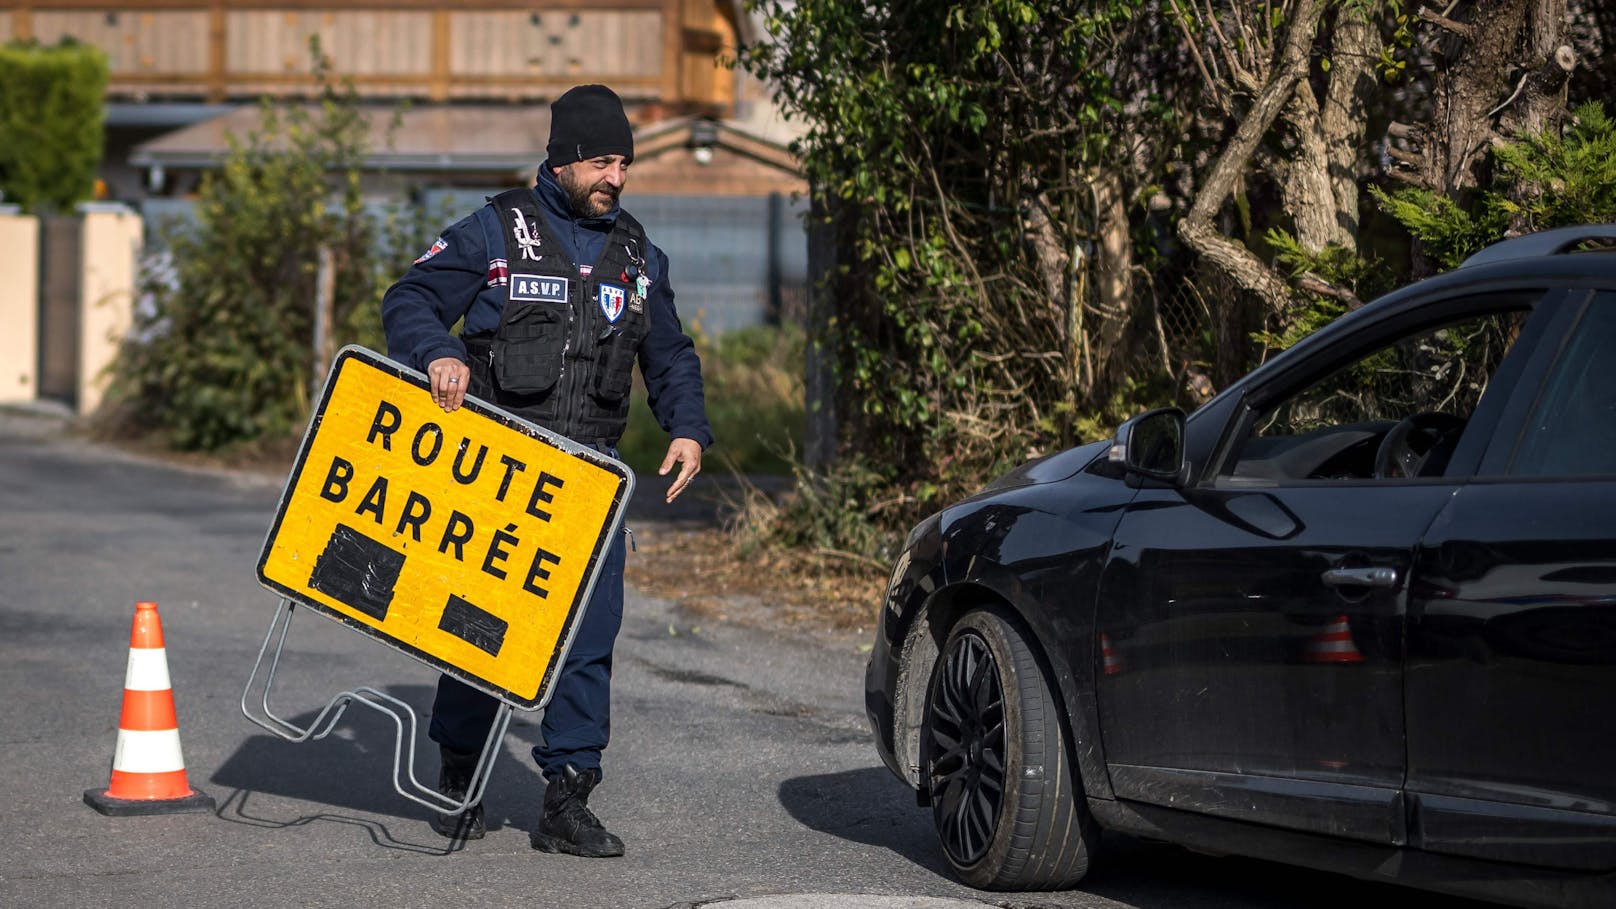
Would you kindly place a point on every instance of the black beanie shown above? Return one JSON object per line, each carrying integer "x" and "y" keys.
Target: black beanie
{"x": 587, "y": 122}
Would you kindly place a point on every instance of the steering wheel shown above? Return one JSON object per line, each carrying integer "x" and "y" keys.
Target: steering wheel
{"x": 1405, "y": 447}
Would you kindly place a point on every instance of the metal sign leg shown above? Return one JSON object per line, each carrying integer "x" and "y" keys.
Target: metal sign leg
{"x": 402, "y": 715}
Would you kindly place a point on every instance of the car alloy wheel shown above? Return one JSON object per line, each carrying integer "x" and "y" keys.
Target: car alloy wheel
{"x": 967, "y": 738}
{"x": 1005, "y": 800}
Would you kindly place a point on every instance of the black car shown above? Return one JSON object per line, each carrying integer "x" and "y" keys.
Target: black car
{"x": 1357, "y": 612}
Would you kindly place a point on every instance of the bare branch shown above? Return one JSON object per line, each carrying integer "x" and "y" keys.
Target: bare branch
{"x": 1565, "y": 58}
{"x": 1200, "y": 62}
{"x": 1443, "y": 22}
{"x": 1519, "y": 87}
{"x": 1404, "y": 131}
{"x": 1197, "y": 229}
{"x": 1243, "y": 72}
{"x": 1314, "y": 284}
{"x": 1545, "y": 80}
{"x": 1405, "y": 157}
{"x": 1268, "y": 28}
{"x": 1250, "y": 64}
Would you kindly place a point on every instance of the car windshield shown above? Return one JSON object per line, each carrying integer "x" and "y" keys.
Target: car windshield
{"x": 1331, "y": 428}
{"x": 1445, "y": 369}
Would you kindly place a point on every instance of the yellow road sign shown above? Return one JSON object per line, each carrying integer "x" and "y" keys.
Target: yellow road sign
{"x": 469, "y": 540}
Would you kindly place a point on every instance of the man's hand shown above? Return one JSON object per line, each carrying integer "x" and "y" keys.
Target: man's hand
{"x": 449, "y": 377}
{"x": 687, "y": 454}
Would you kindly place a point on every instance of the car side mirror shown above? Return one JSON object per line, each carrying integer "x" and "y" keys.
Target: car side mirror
{"x": 1151, "y": 444}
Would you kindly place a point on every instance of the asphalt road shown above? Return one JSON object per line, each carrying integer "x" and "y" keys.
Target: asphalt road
{"x": 740, "y": 768}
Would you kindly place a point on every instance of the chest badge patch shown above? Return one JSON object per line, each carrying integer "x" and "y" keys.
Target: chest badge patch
{"x": 612, "y": 301}
{"x": 538, "y": 289}
{"x": 526, "y": 240}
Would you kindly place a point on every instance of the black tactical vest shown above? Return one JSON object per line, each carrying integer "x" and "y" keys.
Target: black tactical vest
{"x": 563, "y": 355}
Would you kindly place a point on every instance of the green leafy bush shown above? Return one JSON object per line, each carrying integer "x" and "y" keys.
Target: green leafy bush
{"x": 51, "y": 123}
{"x": 936, "y": 135}
{"x": 1555, "y": 179}
{"x": 1450, "y": 232}
{"x": 753, "y": 383}
{"x": 1552, "y": 178}
{"x": 223, "y": 352}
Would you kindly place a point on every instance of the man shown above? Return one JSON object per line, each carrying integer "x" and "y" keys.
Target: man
{"x": 561, "y": 292}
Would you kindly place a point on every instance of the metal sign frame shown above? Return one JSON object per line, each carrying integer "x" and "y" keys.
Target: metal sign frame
{"x": 403, "y": 716}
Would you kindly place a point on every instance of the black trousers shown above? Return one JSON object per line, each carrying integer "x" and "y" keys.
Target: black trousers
{"x": 577, "y": 720}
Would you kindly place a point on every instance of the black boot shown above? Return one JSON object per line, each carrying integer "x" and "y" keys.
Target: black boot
{"x": 454, "y": 779}
{"x": 567, "y": 825}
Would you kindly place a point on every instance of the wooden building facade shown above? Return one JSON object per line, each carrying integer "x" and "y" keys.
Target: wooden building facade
{"x": 660, "y": 52}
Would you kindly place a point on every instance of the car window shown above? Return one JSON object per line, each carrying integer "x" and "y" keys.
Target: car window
{"x": 1419, "y": 390}
{"x": 1572, "y": 429}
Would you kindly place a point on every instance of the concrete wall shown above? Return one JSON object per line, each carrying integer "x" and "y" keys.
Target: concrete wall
{"x": 110, "y": 273}
{"x": 19, "y": 307}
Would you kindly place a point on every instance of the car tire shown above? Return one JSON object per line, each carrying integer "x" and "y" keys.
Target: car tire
{"x": 1006, "y": 801}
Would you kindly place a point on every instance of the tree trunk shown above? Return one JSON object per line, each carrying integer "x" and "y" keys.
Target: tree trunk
{"x": 1197, "y": 229}
{"x": 1507, "y": 72}
{"x": 1113, "y": 279}
{"x": 1355, "y": 49}
{"x": 1548, "y": 61}
{"x": 1306, "y": 188}
{"x": 1319, "y": 179}
{"x": 1481, "y": 53}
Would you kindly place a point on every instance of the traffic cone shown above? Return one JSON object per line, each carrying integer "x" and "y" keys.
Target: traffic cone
{"x": 148, "y": 771}
{"x": 1110, "y": 660}
{"x": 1333, "y": 644}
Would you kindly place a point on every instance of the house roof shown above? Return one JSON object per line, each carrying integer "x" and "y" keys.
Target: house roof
{"x": 442, "y": 138}
{"x": 511, "y": 139}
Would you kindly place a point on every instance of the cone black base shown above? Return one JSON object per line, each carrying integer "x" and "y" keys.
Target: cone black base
{"x": 98, "y": 799}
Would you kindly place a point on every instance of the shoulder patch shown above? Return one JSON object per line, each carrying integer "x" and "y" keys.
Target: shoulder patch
{"x": 437, "y": 247}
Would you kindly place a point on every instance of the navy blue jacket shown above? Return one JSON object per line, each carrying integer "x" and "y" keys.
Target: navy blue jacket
{"x": 451, "y": 281}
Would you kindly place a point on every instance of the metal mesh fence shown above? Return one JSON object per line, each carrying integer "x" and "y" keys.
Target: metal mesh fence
{"x": 734, "y": 261}
{"x": 1199, "y": 330}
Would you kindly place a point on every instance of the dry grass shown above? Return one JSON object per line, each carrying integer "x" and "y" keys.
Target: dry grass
{"x": 710, "y": 573}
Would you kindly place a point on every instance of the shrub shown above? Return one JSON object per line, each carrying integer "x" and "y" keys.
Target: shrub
{"x": 222, "y": 353}
{"x": 753, "y": 380}
{"x": 1543, "y": 180}
{"x": 51, "y": 123}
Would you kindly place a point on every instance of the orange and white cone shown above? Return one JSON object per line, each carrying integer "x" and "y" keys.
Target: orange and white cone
{"x": 1110, "y": 660}
{"x": 1333, "y": 644}
{"x": 148, "y": 770}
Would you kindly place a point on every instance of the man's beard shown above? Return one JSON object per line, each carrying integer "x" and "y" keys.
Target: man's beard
{"x": 580, "y": 195}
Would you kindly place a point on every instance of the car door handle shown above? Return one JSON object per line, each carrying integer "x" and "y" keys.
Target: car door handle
{"x": 1377, "y": 576}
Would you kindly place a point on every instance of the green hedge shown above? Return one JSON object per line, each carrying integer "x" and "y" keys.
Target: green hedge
{"x": 51, "y": 123}
{"x": 753, "y": 379}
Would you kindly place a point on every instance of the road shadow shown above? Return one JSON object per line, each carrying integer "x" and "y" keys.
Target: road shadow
{"x": 351, "y": 770}
{"x": 710, "y": 501}
{"x": 866, "y": 806}
{"x": 871, "y": 807}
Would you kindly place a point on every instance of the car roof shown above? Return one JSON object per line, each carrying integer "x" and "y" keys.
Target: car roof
{"x": 1553, "y": 242}
{"x": 1540, "y": 260}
